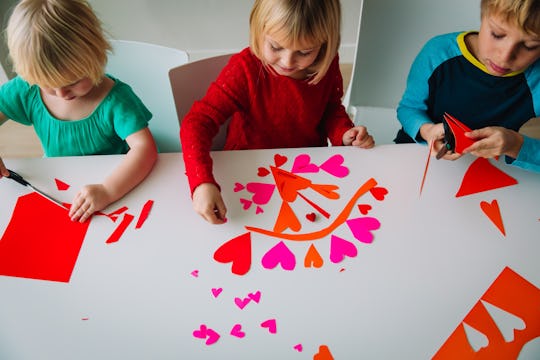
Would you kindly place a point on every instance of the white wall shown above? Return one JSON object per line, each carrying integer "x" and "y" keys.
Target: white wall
{"x": 201, "y": 27}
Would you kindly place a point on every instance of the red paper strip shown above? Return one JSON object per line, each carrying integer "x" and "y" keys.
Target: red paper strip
{"x": 60, "y": 185}
{"x": 115, "y": 236}
{"x": 144, "y": 213}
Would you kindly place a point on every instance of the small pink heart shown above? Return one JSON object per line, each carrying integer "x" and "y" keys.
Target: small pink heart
{"x": 237, "y": 331}
{"x": 298, "y": 347}
{"x": 259, "y": 210}
{"x": 256, "y": 296}
{"x": 241, "y": 303}
{"x": 262, "y": 193}
{"x": 246, "y": 204}
{"x": 339, "y": 248}
{"x": 279, "y": 254}
{"x": 334, "y": 166}
{"x": 238, "y": 187}
{"x": 302, "y": 164}
{"x": 201, "y": 333}
{"x": 270, "y": 324}
{"x": 378, "y": 193}
{"x": 362, "y": 228}
{"x": 216, "y": 291}
{"x": 213, "y": 337}
{"x": 364, "y": 208}
{"x": 195, "y": 273}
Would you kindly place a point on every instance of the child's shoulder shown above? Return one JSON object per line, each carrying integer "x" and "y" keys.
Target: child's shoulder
{"x": 444, "y": 41}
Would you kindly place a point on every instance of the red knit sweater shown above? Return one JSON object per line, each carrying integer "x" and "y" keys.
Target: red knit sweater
{"x": 266, "y": 111}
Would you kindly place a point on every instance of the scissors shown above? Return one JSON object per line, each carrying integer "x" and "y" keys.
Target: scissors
{"x": 449, "y": 141}
{"x": 18, "y": 178}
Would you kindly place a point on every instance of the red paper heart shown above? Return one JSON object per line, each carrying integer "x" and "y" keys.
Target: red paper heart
{"x": 263, "y": 172}
{"x": 311, "y": 217}
{"x": 238, "y": 252}
{"x": 364, "y": 208}
{"x": 378, "y": 193}
{"x": 493, "y": 212}
{"x": 280, "y": 160}
{"x": 238, "y": 187}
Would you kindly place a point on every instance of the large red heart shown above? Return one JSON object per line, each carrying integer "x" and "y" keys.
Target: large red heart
{"x": 237, "y": 251}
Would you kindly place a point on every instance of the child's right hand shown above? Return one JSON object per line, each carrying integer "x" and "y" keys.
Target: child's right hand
{"x": 208, "y": 203}
{"x": 3, "y": 169}
{"x": 90, "y": 199}
{"x": 434, "y": 133}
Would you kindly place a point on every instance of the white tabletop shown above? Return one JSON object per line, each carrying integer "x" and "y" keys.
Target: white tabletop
{"x": 400, "y": 297}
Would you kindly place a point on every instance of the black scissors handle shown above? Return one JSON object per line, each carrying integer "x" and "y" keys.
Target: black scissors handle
{"x": 18, "y": 178}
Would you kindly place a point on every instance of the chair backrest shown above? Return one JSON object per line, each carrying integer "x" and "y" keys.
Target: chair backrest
{"x": 190, "y": 82}
{"x": 3, "y": 75}
{"x": 145, "y": 67}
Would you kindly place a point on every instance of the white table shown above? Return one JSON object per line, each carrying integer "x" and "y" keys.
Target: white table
{"x": 400, "y": 298}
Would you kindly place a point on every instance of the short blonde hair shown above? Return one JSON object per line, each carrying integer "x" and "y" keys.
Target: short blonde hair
{"x": 523, "y": 13}
{"x": 299, "y": 22}
{"x": 54, "y": 43}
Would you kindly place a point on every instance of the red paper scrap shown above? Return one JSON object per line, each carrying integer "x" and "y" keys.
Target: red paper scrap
{"x": 115, "y": 236}
{"x": 144, "y": 213}
{"x": 483, "y": 176}
{"x": 60, "y": 185}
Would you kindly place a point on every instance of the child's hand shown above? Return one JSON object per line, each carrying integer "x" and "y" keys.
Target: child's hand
{"x": 3, "y": 169}
{"x": 434, "y": 133}
{"x": 208, "y": 203}
{"x": 358, "y": 136}
{"x": 90, "y": 199}
{"x": 494, "y": 141}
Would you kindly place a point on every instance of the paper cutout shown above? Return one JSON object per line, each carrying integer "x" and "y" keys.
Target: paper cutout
{"x": 362, "y": 227}
{"x": 279, "y": 160}
{"x": 323, "y": 354}
{"x": 339, "y": 248}
{"x": 205, "y": 332}
{"x": 144, "y": 213}
{"x": 115, "y": 236}
{"x": 289, "y": 184}
{"x": 237, "y": 251}
{"x": 483, "y": 176}
{"x": 236, "y": 331}
{"x": 238, "y": 187}
{"x": 458, "y": 130}
{"x": 60, "y": 185}
{"x": 334, "y": 166}
{"x": 315, "y": 206}
{"x": 262, "y": 193}
{"x": 313, "y": 258}
{"x": 195, "y": 273}
{"x": 241, "y": 303}
{"x": 493, "y": 212}
{"x": 256, "y": 296}
{"x": 279, "y": 255}
{"x": 216, "y": 292}
{"x": 286, "y": 219}
{"x": 40, "y": 242}
{"x": 379, "y": 193}
{"x": 311, "y": 217}
{"x": 364, "y": 208}
{"x": 511, "y": 294}
{"x": 426, "y": 167}
{"x": 298, "y": 347}
{"x": 246, "y": 204}
{"x": 263, "y": 172}
{"x": 476, "y": 339}
{"x": 303, "y": 164}
{"x": 270, "y": 324}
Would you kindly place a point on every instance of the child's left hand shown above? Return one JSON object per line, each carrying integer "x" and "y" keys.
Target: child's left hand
{"x": 358, "y": 136}
{"x": 494, "y": 141}
{"x": 90, "y": 199}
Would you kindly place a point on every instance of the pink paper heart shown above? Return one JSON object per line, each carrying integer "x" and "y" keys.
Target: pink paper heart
{"x": 241, "y": 303}
{"x": 206, "y": 333}
{"x": 298, "y": 347}
{"x": 259, "y": 210}
{"x": 216, "y": 291}
{"x": 256, "y": 296}
{"x": 279, "y": 254}
{"x": 334, "y": 166}
{"x": 270, "y": 324}
{"x": 362, "y": 228}
{"x": 303, "y": 164}
{"x": 339, "y": 248}
{"x": 246, "y": 204}
{"x": 262, "y": 193}
{"x": 237, "y": 331}
{"x": 195, "y": 273}
{"x": 201, "y": 333}
{"x": 238, "y": 187}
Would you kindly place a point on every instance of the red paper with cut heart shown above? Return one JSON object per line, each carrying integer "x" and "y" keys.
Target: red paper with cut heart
{"x": 458, "y": 130}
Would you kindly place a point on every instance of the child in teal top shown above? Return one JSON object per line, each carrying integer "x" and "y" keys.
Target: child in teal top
{"x": 59, "y": 52}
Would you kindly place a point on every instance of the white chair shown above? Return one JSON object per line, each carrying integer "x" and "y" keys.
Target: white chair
{"x": 190, "y": 82}
{"x": 145, "y": 67}
{"x": 3, "y": 75}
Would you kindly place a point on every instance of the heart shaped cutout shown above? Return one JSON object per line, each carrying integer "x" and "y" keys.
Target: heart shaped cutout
{"x": 311, "y": 217}
{"x": 246, "y": 204}
{"x": 236, "y": 251}
{"x": 236, "y": 331}
{"x": 326, "y": 190}
{"x": 303, "y": 164}
{"x": 362, "y": 227}
{"x": 262, "y": 193}
{"x": 241, "y": 303}
{"x": 334, "y": 166}
{"x": 256, "y": 296}
{"x": 313, "y": 258}
{"x": 271, "y": 325}
{"x": 323, "y": 354}
{"x": 339, "y": 248}
{"x": 262, "y": 172}
{"x": 216, "y": 291}
{"x": 238, "y": 187}
{"x": 493, "y": 212}
{"x": 279, "y": 255}
{"x": 364, "y": 208}
{"x": 378, "y": 193}
{"x": 279, "y": 160}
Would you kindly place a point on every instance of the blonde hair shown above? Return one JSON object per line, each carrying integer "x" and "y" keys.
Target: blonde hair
{"x": 54, "y": 43}
{"x": 299, "y": 22}
{"x": 523, "y": 13}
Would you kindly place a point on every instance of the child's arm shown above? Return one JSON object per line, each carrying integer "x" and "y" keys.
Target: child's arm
{"x": 135, "y": 166}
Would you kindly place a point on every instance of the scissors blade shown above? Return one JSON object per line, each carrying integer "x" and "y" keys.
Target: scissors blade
{"x": 48, "y": 197}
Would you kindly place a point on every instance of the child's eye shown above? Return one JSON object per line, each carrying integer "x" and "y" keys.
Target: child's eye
{"x": 305, "y": 53}
{"x": 497, "y": 36}
{"x": 275, "y": 48}
{"x": 531, "y": 48}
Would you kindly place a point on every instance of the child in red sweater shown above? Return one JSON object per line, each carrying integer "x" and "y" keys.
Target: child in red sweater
{"x": 283, "y": 91}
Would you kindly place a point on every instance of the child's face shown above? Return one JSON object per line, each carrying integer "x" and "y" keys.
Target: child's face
{"x": 72, "y": 91}
{"x": 504, "y": 48}
{"x": 288, "y": 61}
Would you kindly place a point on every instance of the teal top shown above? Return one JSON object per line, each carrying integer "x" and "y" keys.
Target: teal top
{"x": 120, "y": 114}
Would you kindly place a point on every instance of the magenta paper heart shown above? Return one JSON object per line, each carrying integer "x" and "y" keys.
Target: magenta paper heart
{"x": 259, "y": 210}
{"x": 334, "y": 166}
{"x": 270, "y": 324}
{"x": 298, "y": 347}
{"x": 362, "y": 228}
{"x": 246, "y": 204}
{"x": 339, "y": 248}
{"x": 241, "y": 303}
{"x": 279, "y": 254}
{"x": 303, "y": 164}
{"x": 195, "y": 273}
{"x": 237, "y": 331}
{"x": 262, "y": 193}
{"x": 256, "y": 296}
{"x": 238, "y": 187}
{"x": 216, "y": 291}
{"x": 201, "y": 333}
{"x": 206, "y": 333}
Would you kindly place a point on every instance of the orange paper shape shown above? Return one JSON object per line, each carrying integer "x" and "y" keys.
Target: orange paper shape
{"x": 515, "y": 296}
{"x": 287, "y": 219}
{"x": 313, "y": 258}
{"x": 483, "y": 176}
{"x": 493, "y": 212}
{"x": 289, "y": 184}
{"x": 458, "y": 129}
{"x": 40, "y": 241}
{"x": 323, "y": 354}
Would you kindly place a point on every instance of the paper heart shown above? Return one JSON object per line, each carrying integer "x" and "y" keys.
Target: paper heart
{"x": 195, "y": 273}
{"x": 311, "y": 217}
{"x": 262, "y": 172}
{"x": 206, "y": 333}
{"x": 241, "y": 303}
{"x": 286, "y": 219}
{"x": 313, "y": 258}
{"x": 364, "y": 208}
{"x": 259, "y": 210}
{"x": 256, "y": 296}
{"x": 60, "y": 185}
{"x": 201, "y": 333}
{"x": 303, "y": 164}
{"x": 339, "y": 248}
{"x": 334, "y": 166}
{"x": 378, "y": 193}
{"x": 328, "y": 191}
{"x": 237, "y": 251}
{"x": 216, "y": 291}
{"x": 493, "y": 212}
{"x": 262, "y": 193}
{"x": 298, "y": 347}
{"x": 362, "y": 228}
{"x": 270, "y": 324}
{"x": 323, "y": 354}
{"x": 279, "y": 160}
{"x": 238, "y": 187}
{"x": 237, "y": 331}
{"x": 246, "y": 204}
{"x": 279, "y": 254}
